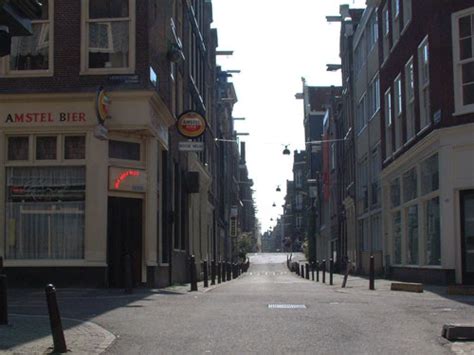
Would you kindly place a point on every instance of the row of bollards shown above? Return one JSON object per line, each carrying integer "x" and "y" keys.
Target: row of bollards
{"x": 222, "y": 271}
{"x": 316, "y": 267}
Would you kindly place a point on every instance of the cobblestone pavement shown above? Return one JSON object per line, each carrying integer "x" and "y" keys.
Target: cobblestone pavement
{"x": 31, "y": 334}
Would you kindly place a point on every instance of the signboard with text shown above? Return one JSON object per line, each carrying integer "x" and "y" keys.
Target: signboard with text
{"x": 127, "y": 179}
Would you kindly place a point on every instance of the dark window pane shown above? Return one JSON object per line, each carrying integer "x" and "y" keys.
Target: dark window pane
{"x": 31, "y": 52}
{"x": 46, "y": 148}
{"x": 74, "y": 147}
{"x": 429, "y": 175}
{"x": 465, "y": 26}
{"x": 468, "y": 73}
{"x": 410, "y": 185}
{"x": 18, "y": 148}
{"x": 108, "y": 8}
{"x": 465, "y": 48}
{"x": 124, "y": 150}
{"x": 468, "y": 94}
{"x": 108, "y": 44}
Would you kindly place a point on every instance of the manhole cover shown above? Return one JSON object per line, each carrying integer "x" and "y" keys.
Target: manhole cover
{"x": 287, "y": 306}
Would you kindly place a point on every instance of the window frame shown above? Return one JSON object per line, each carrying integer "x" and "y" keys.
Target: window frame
{"x": 388, "y": 122}
{"x": 5, "y": 70}
{"x": 460, "y": 108}
{"x": 425, "y": 116}
{"x": 398, "y": 112}
{"x": 410, "y": 99}
{"x": 85, "y": 20}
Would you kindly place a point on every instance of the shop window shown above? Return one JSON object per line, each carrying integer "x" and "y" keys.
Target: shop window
{"x": 429, "y": 175}
{"x": 108, "y": 39}
{"x": 46, "y": 148}
{"x": 410, "y": 185}
{"x": 45, "y": 213}
{"x": 397, "y": 238}
{"x": 74, "y": 147}
{"x": 124, "y": 150}
{"x": 412, "y": 235}
{"x": 34, "y": 53}
{"x": 433, "y": 232}
{"x": 18, "y": 148}
{"x": 395, "y": 193}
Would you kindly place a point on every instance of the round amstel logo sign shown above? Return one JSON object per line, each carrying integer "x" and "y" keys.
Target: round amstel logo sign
{"x": 191, "y": 124}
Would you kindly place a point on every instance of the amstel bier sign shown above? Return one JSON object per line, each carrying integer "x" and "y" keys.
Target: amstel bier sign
{"x": 191, "y": 124}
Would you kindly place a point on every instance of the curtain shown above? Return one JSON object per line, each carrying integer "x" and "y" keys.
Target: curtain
{"x": 108, "y": 37}
{"x": 45, "y": 213}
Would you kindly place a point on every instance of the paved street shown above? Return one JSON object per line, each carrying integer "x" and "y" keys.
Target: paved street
{"x": 234, "y": 317}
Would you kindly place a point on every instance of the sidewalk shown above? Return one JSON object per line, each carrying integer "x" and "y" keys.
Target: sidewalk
{"x": 29, "y": 334}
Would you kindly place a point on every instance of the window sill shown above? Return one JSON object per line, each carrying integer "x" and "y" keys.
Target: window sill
{"x": 465, "y": 110}
{"x": 28, "y": 74}
{"x": 105, "y": 71}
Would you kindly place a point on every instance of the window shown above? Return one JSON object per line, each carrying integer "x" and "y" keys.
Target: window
{"x": 376, "y": 230}
{"x": 397, "y": 237}
{"x": 74, "y": 147}
{"x": 45, "y": 212}
{"x": 374, "y": 96}
{"x": 395, "y": 193}
{"x": 373, "y": 30}
{"x": 463, "y": 54}
{"x": 375, "y": 167}
{"x": 429, "y": 175}
{"x": 410, "y": 185}
{"x": 395, "y": 20}
{"x": 406, "y": 12}
{"x": 364, "y": 234}
{"x": 124, "y": 150}
{"x": 18, "y": 148}
{"x": 433, "y": 232}
{"x": 107, "y": 35}
{"x": 33, "y": 55}
{"x": 412, "y": 235}
{"x": 363, "y": 183}
{"x": 46, "y": 148}
{"x": 398, "y": 112}
{"x": 298, "y": 179}
{"x": 386, "y": 32}
{"x": 410, "y": 99}
{"x": 424, "y": 76}
{"x": 299, "y": 202}
{"x": 361, "y": 113}
{"x": 388, "y": 124}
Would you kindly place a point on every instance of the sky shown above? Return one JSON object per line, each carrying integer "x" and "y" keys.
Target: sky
{"x": 275, "y": 44}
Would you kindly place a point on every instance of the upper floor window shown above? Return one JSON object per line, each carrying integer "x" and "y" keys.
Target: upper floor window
{"x": 374, "y": 96}
{"x": 33, "y": 55}
{"x": 410, "y": 98}
{"x": 424, "y": 77}
{"x": 463, "y": 44}
{"x": 388, "y": 123}
{"x": 395, "y": 20}
{"x": 386, "y": 32}
{"x": 398, "y": 112}
{"x": 373, "y": 30}
{"x": 406, "y": 12}
{"x": 361, "y": 113}
{"x": 108, "y": 36}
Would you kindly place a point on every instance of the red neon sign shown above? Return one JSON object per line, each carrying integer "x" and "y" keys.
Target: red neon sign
{"x": 123, "y": 176}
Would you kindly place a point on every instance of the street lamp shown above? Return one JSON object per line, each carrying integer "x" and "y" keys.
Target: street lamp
{"x": 274, "y": 205}
{"x": 286, "y": 151}
{"x": 278, "y": 189}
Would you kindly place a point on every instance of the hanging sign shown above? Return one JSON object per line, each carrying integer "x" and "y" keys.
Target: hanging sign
{"x": 102, "y": 106}
{"x": 191, "y": 146}
{"x": 191, "y": 124}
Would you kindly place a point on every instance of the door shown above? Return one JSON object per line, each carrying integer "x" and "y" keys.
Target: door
{"x": 124, "y": 237}
{"x": 467, "y": 235}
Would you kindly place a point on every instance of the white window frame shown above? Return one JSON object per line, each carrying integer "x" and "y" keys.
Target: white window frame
{"x": 388, "y": 123}
{"x": 398, "y": 112}
{"x": 374, "y": 96}
{"x": 361, "y": 114}
{"x": 460, "y": 108}
{"x": 410, "y": 98}
{"x": 5, "y": 70}
{"x": 424, "y": 86}
{"x": 130, "y": 69}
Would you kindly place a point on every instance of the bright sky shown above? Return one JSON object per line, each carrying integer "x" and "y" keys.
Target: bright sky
{"x": 275, "y": 43}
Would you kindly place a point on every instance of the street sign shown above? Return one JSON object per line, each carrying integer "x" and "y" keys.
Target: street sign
{"x": 191, "y": 146}
{"x": 101, "y": 132}
{"x": 233, "y": 227}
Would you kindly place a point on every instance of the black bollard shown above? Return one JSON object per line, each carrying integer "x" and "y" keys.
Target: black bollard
{"x": 371, "y": 274}
{"x": 307, "y": 271}
{"x": 224, "y": 271}
{"x": 331, "y": 270}
{"x": 302, "y": 271}
{"x": 312, "y": 271}
{"x": 219, "y": 268}
{"x": 55, "y": 320}
{"x": 206, "y": 276}
{"x": 297, "y": 269}
{"x": 324, "y": 271}
{"x": 3, "y": 300}
{"x": 213, "y": 272}
{"x": 346, "y": 274}
{"x": 192, "y": 273}
{"x": 1, "y": 264}
{"x": 128, "y": 282}
{"x": 317, "y": 270}
{"x": 229, "y": 271}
